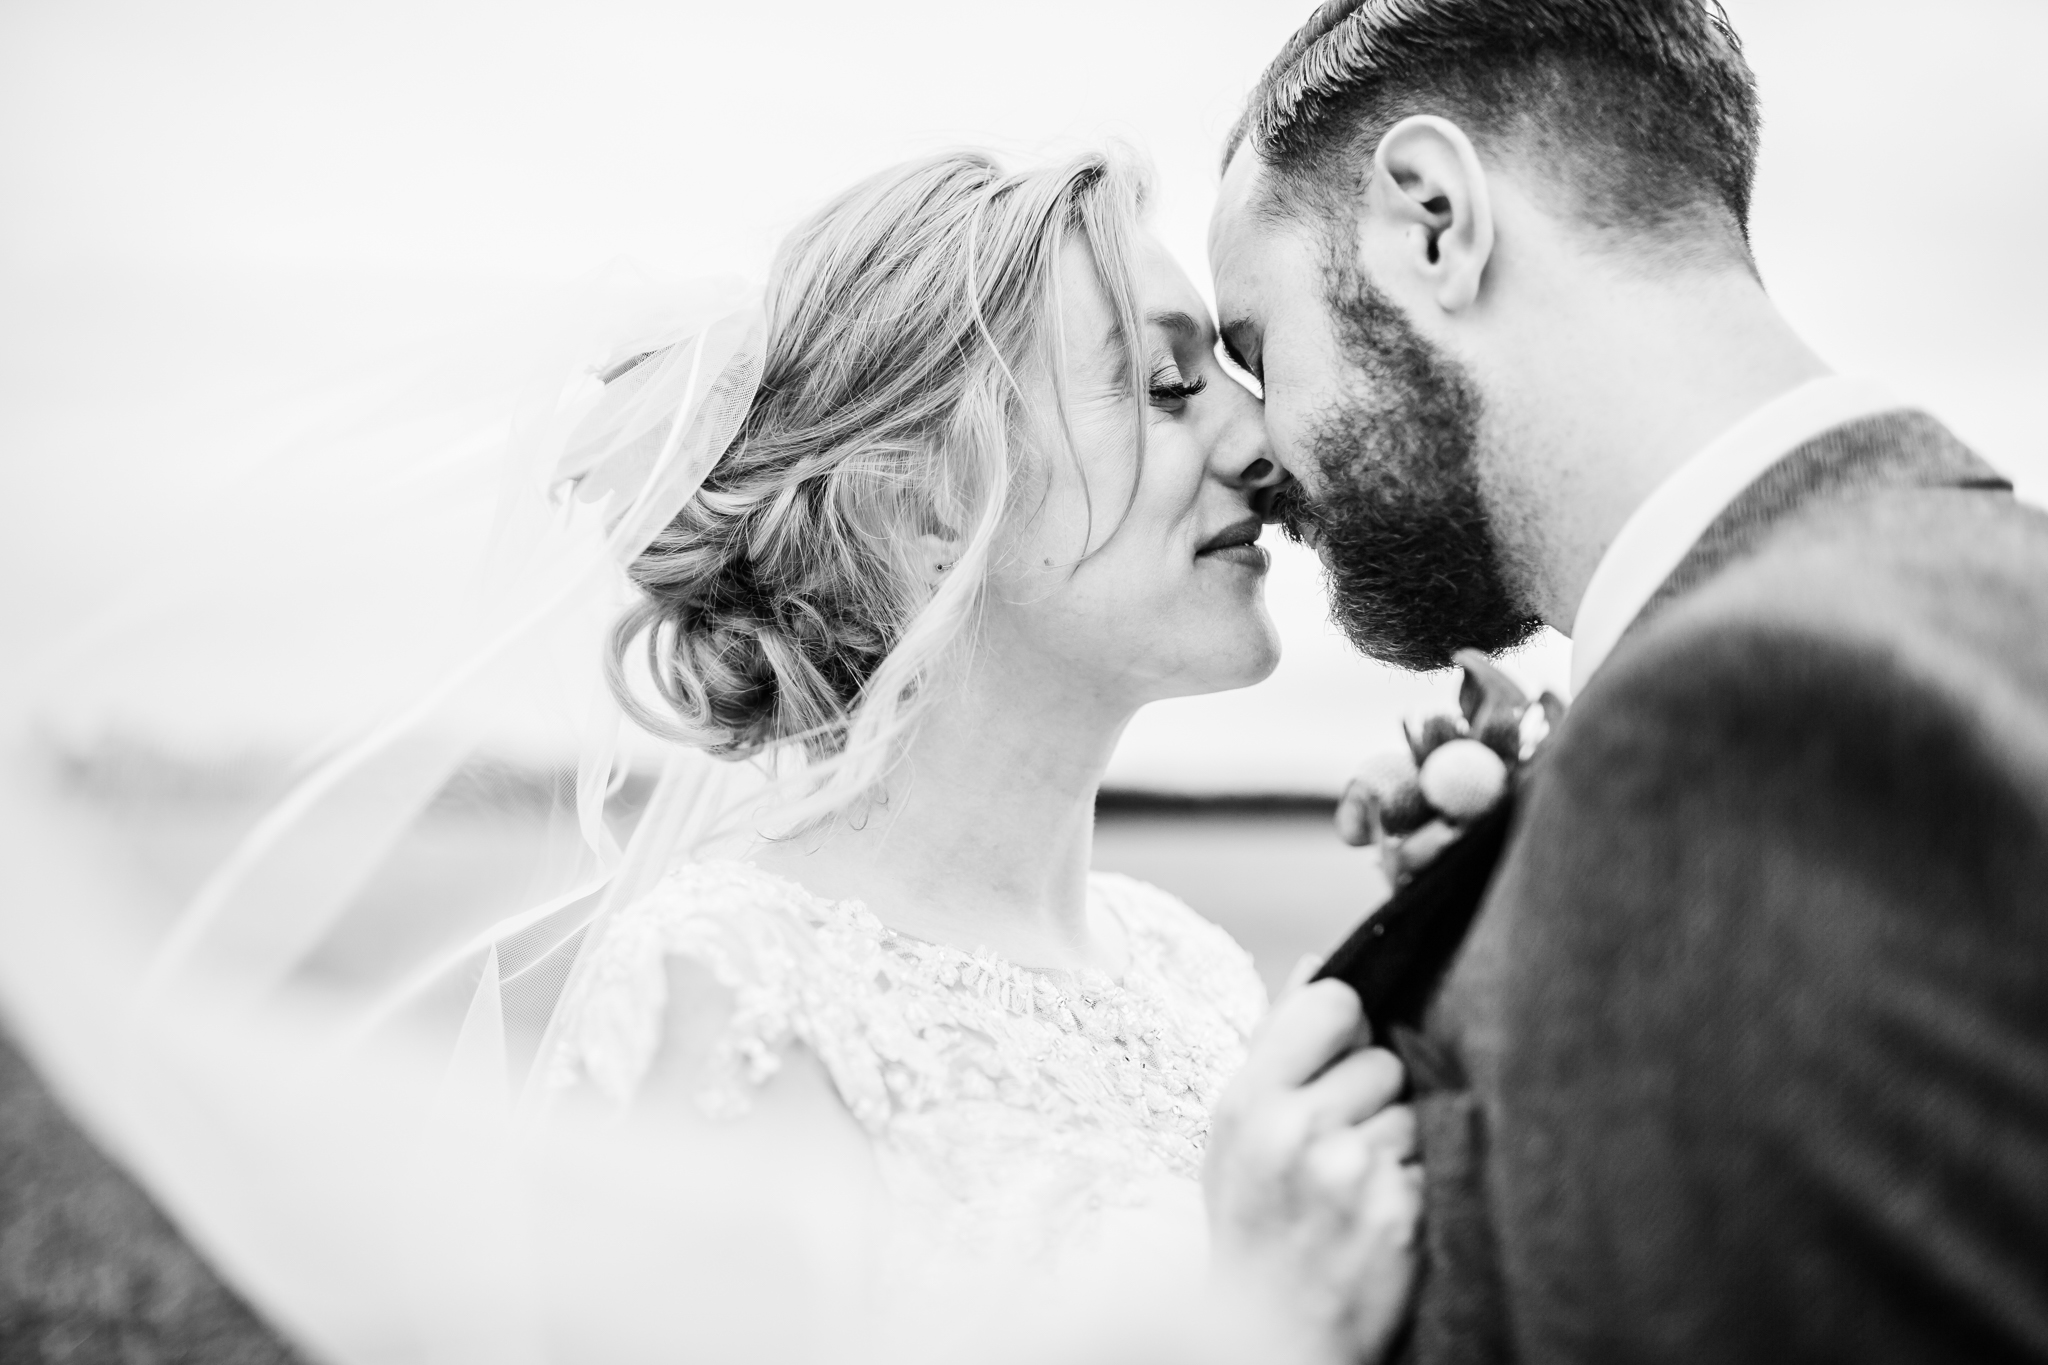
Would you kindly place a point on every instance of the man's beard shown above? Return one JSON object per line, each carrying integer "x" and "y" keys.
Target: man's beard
{"x": 1402, "y": 528}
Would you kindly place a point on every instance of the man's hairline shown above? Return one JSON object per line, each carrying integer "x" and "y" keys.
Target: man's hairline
{"x": 1305, "y": 199}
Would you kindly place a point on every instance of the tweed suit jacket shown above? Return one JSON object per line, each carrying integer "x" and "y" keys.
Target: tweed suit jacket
{"x": 1746, "y": 1055}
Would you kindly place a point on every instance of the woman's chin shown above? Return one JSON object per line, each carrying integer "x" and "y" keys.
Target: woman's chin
{"x": 1262, "y": 666}
{"x": 1243, "y": 661}
{"x": 1262, "y": 645}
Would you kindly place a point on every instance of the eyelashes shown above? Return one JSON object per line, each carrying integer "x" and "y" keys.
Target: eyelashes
{"x": 1168, "y": 389}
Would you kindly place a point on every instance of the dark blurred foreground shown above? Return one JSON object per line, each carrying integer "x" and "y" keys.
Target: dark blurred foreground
{"x": 90, "y": 1272}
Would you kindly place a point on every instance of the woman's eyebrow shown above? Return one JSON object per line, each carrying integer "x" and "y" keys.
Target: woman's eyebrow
{"x": 1185, "y": 329}
{"x": 1183, "y": 326}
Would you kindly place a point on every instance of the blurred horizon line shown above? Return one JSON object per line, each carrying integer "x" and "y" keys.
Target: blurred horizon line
{"x": 125, "y": 767}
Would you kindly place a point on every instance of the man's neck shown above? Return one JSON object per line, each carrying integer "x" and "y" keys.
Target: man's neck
{"x": 1628, "y": 381}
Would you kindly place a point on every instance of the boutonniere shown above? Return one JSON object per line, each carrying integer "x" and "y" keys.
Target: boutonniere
{"x": 1416, "y": 799}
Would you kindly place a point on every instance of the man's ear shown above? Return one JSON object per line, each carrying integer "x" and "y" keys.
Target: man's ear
{"x": 1428, "y": 213}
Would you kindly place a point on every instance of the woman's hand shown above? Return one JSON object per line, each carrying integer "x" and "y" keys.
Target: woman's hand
{"x": 1312, "y": 1191}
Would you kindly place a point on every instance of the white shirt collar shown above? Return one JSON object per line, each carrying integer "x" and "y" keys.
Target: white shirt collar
{"x": 1660, "y": 532}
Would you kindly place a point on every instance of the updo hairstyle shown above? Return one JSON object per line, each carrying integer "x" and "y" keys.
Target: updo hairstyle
{"x": 786, "y": 603}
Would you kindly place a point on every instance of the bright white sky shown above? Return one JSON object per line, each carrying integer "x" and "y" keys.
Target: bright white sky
{"x": 212, "y": 204}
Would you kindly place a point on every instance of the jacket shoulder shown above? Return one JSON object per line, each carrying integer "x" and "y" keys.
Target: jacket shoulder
{"x": 1935, "y": 598}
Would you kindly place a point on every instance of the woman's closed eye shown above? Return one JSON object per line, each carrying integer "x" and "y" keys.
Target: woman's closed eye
{"x": 1170, "y": 391}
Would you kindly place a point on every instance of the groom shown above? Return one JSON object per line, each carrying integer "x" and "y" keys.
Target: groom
{"x": 1746, "y": 1055}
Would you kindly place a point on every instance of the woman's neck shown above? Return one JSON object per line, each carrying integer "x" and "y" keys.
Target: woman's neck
{"x": 986, "y": 831}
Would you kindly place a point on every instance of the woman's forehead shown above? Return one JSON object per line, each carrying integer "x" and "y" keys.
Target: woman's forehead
{"x": 1170, "y": 308}
{"x": 1164, "y": 289}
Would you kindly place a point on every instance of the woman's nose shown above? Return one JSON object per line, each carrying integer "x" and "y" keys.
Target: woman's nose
{"x": 1242, "y": 457}
{"x": 1245, "y": 461}
{"x": 1269, "y": 485}
{"x": 1261, "y": 473}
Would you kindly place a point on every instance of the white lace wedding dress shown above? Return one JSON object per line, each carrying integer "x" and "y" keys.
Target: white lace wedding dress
{"x": 1026, "y": 1116}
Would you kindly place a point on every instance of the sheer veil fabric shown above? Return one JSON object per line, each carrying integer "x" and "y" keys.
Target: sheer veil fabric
{"x": 472, "y": 681}
{"x": 308, "y": 835}
{"x": 386, "y": 643}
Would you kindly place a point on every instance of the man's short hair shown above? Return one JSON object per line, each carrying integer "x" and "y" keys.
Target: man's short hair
{"x": 1644, "y": 110}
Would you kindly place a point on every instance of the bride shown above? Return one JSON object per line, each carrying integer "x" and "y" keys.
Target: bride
{"x": 994, "y": 494}
{"x": 965, "y": 493}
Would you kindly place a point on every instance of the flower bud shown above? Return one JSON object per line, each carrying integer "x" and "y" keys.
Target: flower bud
{"x": 1463, "y": 779}
{"x": 1386, "y": 772}
{"x": 1424, "y": 739}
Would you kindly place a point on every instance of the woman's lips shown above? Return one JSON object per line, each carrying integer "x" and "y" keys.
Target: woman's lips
{"x": 1240, "y": 552}
{"x": 1237, "y": 543}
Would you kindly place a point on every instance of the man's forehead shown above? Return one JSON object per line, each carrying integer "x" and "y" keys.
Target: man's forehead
{"x": 1250, "y": 235}
{"x": 1235, "y": 215}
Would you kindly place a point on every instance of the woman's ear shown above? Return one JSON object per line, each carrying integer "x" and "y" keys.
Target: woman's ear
{"x": 1428, "y": 213}
{"x": 936, "y": 554}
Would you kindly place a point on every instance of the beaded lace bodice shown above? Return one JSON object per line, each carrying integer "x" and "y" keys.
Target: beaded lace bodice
{"x": 1011, "y": 1108}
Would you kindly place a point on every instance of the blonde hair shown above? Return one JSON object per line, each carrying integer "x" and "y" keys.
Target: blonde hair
{"x": 787, "y": 604}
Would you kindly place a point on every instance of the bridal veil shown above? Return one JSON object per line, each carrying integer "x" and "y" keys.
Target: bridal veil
{"x": 326, "y": 1060}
